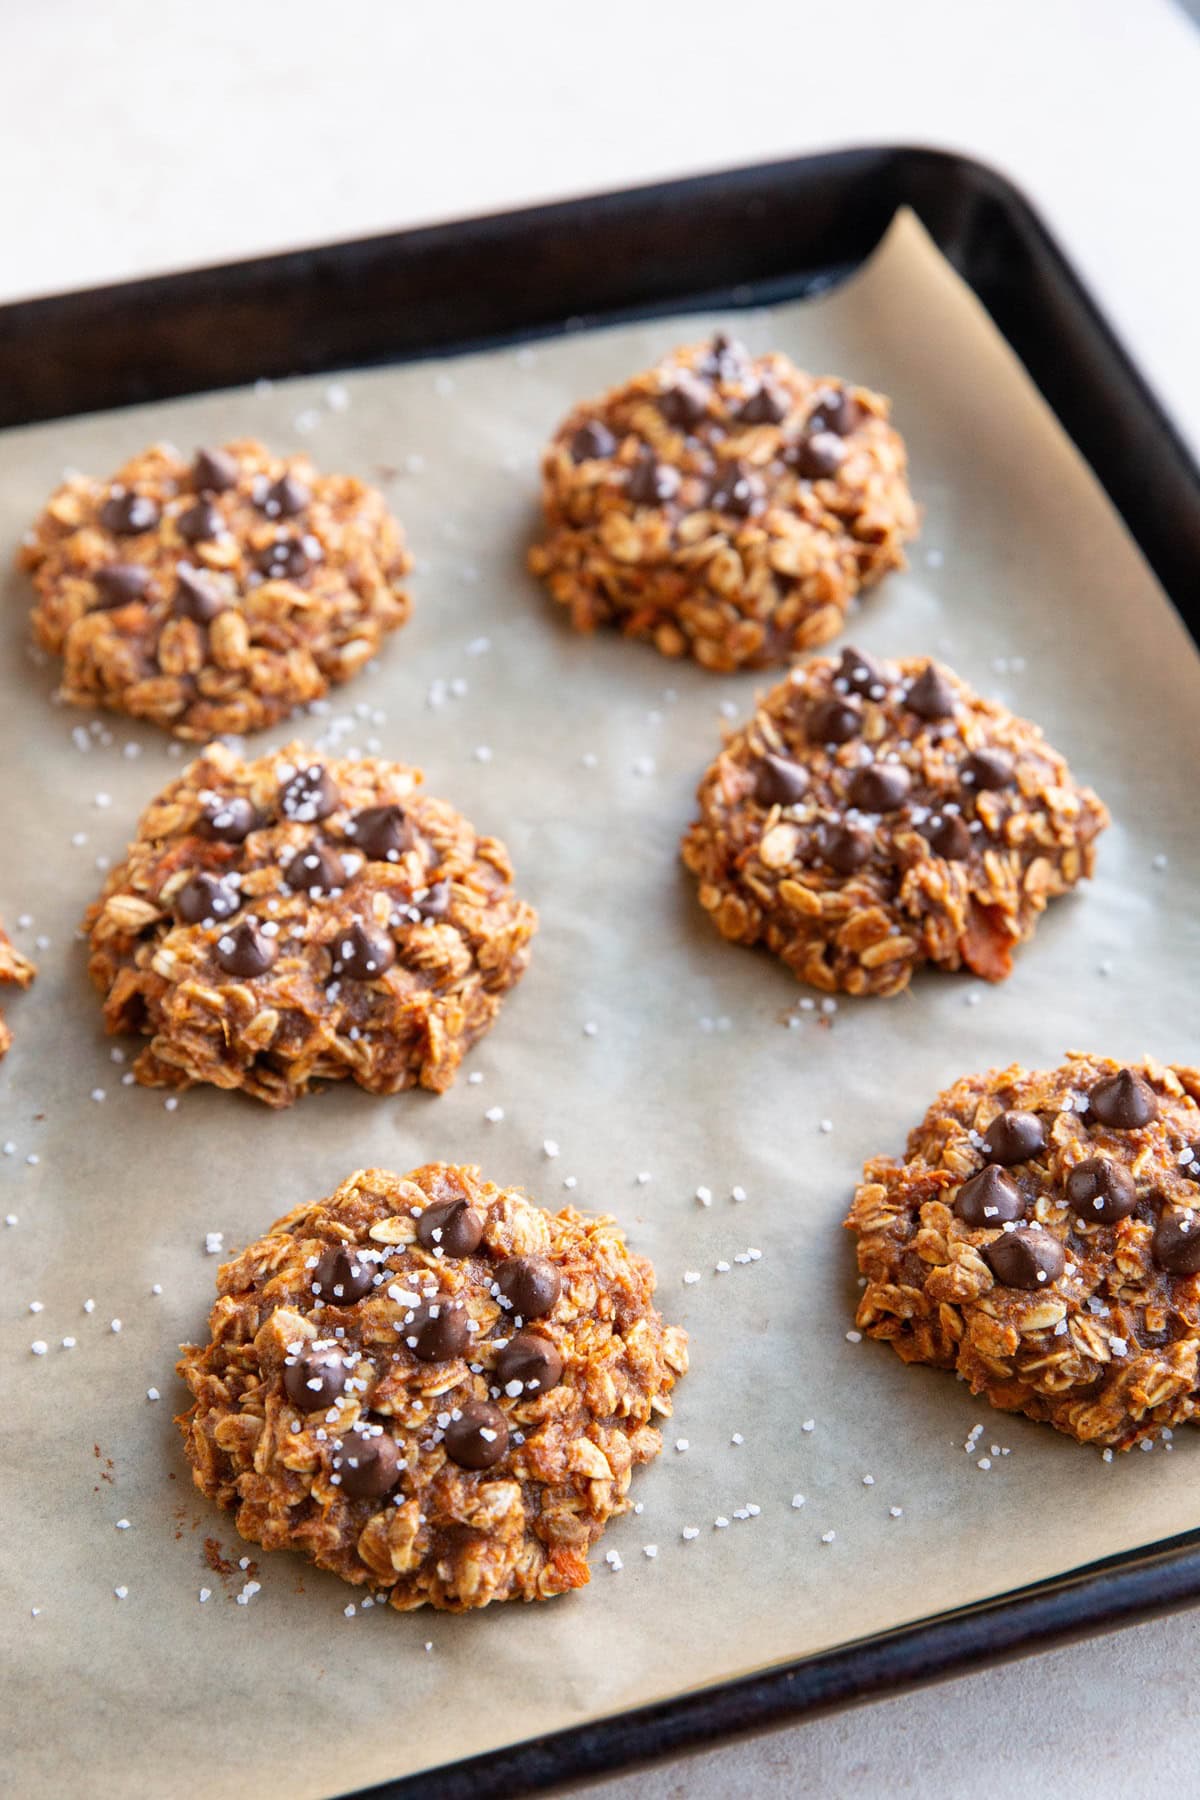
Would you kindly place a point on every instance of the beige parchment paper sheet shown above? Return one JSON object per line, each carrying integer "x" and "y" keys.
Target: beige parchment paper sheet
{"x": 1026, "y": 582}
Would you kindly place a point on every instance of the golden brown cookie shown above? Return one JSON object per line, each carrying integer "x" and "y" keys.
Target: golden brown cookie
{"x": 214, "y": 595}
{"x": 16, "y": 970}
{"x": 1041, "y": 1237}
{"x": 724, "y": 506}
{"x": 432, "y": 1387}
{"x": 874, "y": 816}
{"x": 301, "y": 919}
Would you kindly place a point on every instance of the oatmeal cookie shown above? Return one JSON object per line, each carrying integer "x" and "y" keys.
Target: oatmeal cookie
{"x": 216, "y": 595}
{"x": 1042, "y": 1238}
{"x": 873, "y": 816}
{"x": 432, "y": 1387}
{"x": 725, "y": 506}
{"x": 16, "y": 971}
{"x": 301, "y": 919}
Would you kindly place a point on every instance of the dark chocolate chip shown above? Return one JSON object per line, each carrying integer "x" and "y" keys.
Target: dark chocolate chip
{"x": 845, "y": 847}
{"x": 1014, "y": 1136}
{"x": 196, "y": 597}
{"x": 363, "y": 953}
{"x": 315, "y": 1379}
{"x": 315, "y": 870}
{"x": 343, "y": 1276}
{"x": 725, "y": 358}
{"x": 989, "y": 1198}
{"x": 287, "y": 559}
{"x": 1101, "y": 1191}
{"x": 287, "y": 497}
{"x": 816, "y": 457}
{"x": 369, "y": 1465}
{"x": 435, "y": 902}
{"x": 452, "y": 1226}
{"x": 478, "y": 1437}
{"x": 990, "y": 769}
{"x": 765, "y": 405}
{"x": 931, "y": 695}
{"x": 228, "y": 821}
{"x": 200, "y": 522}
{"x": 880, "y": 787}
{"x": 204, "y": 897}
{"x": 861, "y": 673}
{"x": 246, "y": 950}
{"x": 531, "y": 1283}
{"x": 651, "y": 482}
{"x": 380, "y": 832}
{"x": 591, "y": 441}
{"x": 950, "y": 837}
{"x": 119, "y": 583}
{"x": 1176, "y": 1245}
{"x": 833, "y": 721}
{"x": 1025, "y": 1258}
{"x": 530, "y": 1359}
{"x": 1123, "y": 1101}
{"x": 736, "y": 491}
{"x": 310, "y": 794}
{"x": 779, "y": 782}
{"x": 834, "y": 410}
{"x": 437, "y": 1330}
{"x": 129, "y": 514}
{"x": 685, "y": 402}
{"x": 214, "y": 471}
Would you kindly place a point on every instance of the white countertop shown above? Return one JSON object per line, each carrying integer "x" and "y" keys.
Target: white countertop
{"x": 139, "y": 139}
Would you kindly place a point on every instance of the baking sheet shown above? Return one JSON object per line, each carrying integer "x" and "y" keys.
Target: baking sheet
{"x": 639, "y": 1042}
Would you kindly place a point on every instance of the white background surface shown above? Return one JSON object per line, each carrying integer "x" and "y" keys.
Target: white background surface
{"x": 139, "y": 139}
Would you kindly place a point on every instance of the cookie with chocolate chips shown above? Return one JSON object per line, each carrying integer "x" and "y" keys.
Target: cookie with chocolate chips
{"x": 724, "y": 506}
{"x": 214, "y": 593}
{"x": 874, "y": 816}
{"x": 301, "y": 919}
{"x": 374, "y": 1396}
{"x": 1041, "y": 1237}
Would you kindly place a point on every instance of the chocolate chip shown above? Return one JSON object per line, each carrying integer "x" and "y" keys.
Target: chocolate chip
{"x": 315, "y": 870}
{"x": 990, "y": 769}
{"x": 196, "y": 597}
{"x": 435, "y": 902}
{"x": 204, "y": 897}
{"x": 989, "y": 1198}
{"x": 736, "y": 491}
{"x": 199, "y": 522}
{"x": 228, "y": 821}
{"x": 119, "y": 583}
{"x": 834, "y": 410}
{"x": 343, "y": 1276}
{"x": 1101, "y": 1191}
{"x": 950, "y": 837}
{"x": 725, "y": 358}
{"x": 478, "y": 1437}
{"x": 861, "y": 673}
{"x": 214, "y": 471}
{"x": 452, "y": 1226}
{"x": 129, "y": 514}
{"x": 531, "y": 1283}
{"x": 287, "y": 497}
{"x": 845, "y": 847}
{"x": 363, "y": 953}
{"x": 592, "y": 440}
{"x": 316, "y": 1378}
{"x": 685, "y": 402}
{"x": 1123, "y": 1101}
{"x": 1025, "y": 1258}
{"x": 765, "y": 405}
{"x": 880, "y": 787}
{"x": 287, "y": 559}
{"x": 309, "y": 794}
{"x": 814, "y": 458}
{"x": 380, "y": 832}
{"x": 833, "y": 721}
{"x": 1014, "y": 1137}
{"x": 931, "y": 696}
{"x": 246, "y": 950}
{"x": 778, "y": 781}
{"x": 1176, "y": 1245}
{"x": 651, "y": 482}
{"x": 369, "y": 1465}
{"x": 437, "y": 1330}
{"x": 530, "y": 1359}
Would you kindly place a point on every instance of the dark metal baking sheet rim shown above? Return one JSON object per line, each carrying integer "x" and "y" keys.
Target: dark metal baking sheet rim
{"x": 740, "y": 237}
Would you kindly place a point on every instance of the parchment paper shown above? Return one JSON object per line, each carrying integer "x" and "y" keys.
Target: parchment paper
{"x": 1025, "y": 581}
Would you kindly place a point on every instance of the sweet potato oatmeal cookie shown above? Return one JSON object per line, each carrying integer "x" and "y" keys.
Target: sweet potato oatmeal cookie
{"x": 724, "y": 506}
{"x": 874, "y": 816}
{"x": 432, "y": 1387}
{"x": 303, "y": 919}
{"x": 1042, "y": 1238}
{"x": 216, "y": 595}
{"x": 15, "y": 971}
